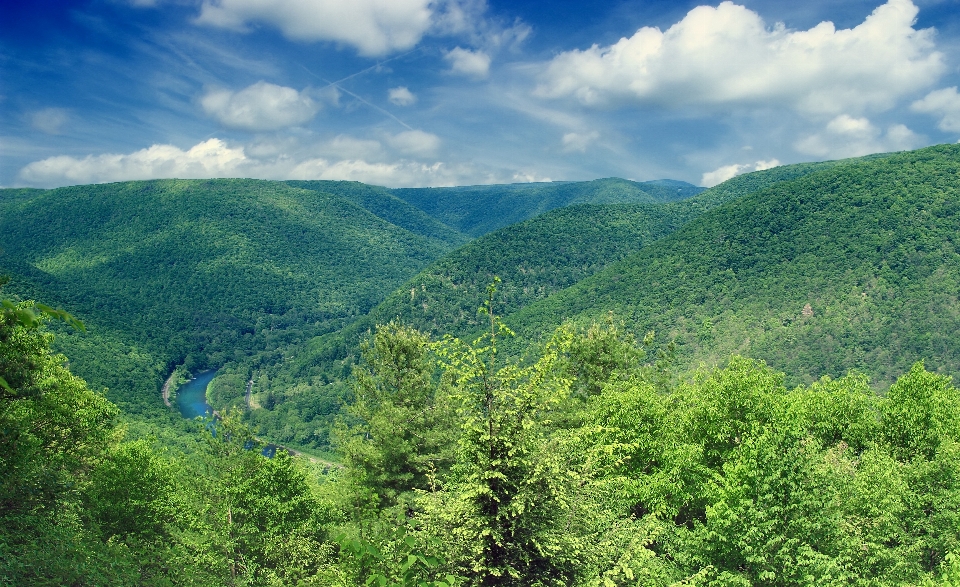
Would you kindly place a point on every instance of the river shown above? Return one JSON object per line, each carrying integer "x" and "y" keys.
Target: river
{"x": 192, "y": 396}
{"x": 192, "y": 402}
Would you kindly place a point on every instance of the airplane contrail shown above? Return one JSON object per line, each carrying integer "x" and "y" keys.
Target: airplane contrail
{"x": 336, "y": 84}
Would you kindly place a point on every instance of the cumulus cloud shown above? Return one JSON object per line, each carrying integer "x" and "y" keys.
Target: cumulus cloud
{"x": 529, "y": 177}
{"x": 392, "y": 174}
{"x": 260, "y": 107}
{"x": 401, "y": 96}
{"x": 49, "y": 120}
{"x": 722, "y": 174}
{"x": 944, "y": 103}
{"x": 728, "y": 56}
{"x": 573, "y": 141}
{"x": 212, "y": 158}
{"x": 373, "y": 27}
{"x": 342, "y": 157}
{"x": 846, "y": 136}
{"x": 474, "y": 64}
{"x": 415, "y": 143}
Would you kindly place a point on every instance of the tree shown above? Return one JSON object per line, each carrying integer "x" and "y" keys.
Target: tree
{"x": 507, "y": 496}
{"x": 401, "y": 429}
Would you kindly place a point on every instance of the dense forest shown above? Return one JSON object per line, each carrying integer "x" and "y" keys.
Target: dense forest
{"x": 594, "y": 383}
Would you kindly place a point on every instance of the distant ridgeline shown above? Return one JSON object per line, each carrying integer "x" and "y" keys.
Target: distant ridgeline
{"x": 239, "y": 272}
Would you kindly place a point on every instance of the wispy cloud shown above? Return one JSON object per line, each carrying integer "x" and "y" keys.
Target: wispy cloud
{"x": 49, "y": 120}
{"x": 401, "y": 96}
{"x": 373, "y": 27}
{"x": 846, "y": 136}
{"x": 211, "y": 158}
{"x": 343, "y": 157}
{"x": 573, "y": 141}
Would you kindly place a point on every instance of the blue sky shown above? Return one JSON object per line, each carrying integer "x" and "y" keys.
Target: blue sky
{"x": 456, "y": 92}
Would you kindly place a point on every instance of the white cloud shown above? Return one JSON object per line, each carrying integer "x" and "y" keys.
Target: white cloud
{"x": 212, "y": 158}
{"x": 573, "y": 141}
{"x": 393, "y": 174}
{"x": 722, "y": 174}
{"x": 401, "y": 96}
{"x": 373, "y": 27}
{"x": 348, "y": 147}
{"x": 944, "y": 103}
{"x": 415, "y": 143}
{"x": 342, "y": 157}
{"x": 727, "y": 56}
{"x": 466, "y": 18}
{"x": 846, "y": 136}
{"x": 474, "y": 64}
{"x": 259, "y": 107}
{"x": 49, "y": 120}
{"x": 529, "y": 177}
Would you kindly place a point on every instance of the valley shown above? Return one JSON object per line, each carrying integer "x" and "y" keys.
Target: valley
{"x": 748, "y": 384}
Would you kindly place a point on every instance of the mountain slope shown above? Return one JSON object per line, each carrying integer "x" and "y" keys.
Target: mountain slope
{"x": 381, "y": 202}
{"x": 849, "y": 267}
{"x": 201, "y": 271}
{"x": 540, "y": 257}
{"x": 535, "y": 259}
{"x": 477, "y": 210}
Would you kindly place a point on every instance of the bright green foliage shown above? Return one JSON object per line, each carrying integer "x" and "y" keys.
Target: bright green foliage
{"x": 131, "y": 492}
{"x": 52, "y": 432}
{"x": 398, "y": 562}
{"x": 52, "y": 426}
{"x": 921, "y": 410}
{"x": 253, "y": 520}
{"x": 400, "y": 432}
{"x": 510, "y": 485}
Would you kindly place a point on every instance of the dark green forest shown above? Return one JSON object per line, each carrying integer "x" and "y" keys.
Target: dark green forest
{"x": 585, "y": 384}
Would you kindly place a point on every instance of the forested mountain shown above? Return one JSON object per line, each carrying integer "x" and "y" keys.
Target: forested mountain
{"x": 477, "y": 210}
{"x": 849, "y": 267}
{"x": 575, "y": 450}
{"x": 202, "y": 272}
{"x": 382, "y": 202}
{"x": 542, "y": 256}
{"x": 534, "y": 260}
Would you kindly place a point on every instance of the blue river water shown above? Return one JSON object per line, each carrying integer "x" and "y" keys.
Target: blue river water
{"x": 192, "y": 396}
{"x": 192, "y": 402}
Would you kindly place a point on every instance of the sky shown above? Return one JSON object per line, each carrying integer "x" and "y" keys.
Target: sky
{"x": 460, "y": 92}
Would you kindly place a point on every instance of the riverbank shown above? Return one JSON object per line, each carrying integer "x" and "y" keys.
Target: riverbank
{"x": 165, "y": 390}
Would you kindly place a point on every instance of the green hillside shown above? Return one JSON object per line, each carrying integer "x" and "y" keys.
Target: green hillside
{"x": 850, "y": 267}
{"x": 381, "y": 202}
{"x": 534, "y": 259}
{"x": 202, "y": 272}
{"x": 539, "y": 257}
{"x": 477, "y": 210}
{"x": 572, "y": 454}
